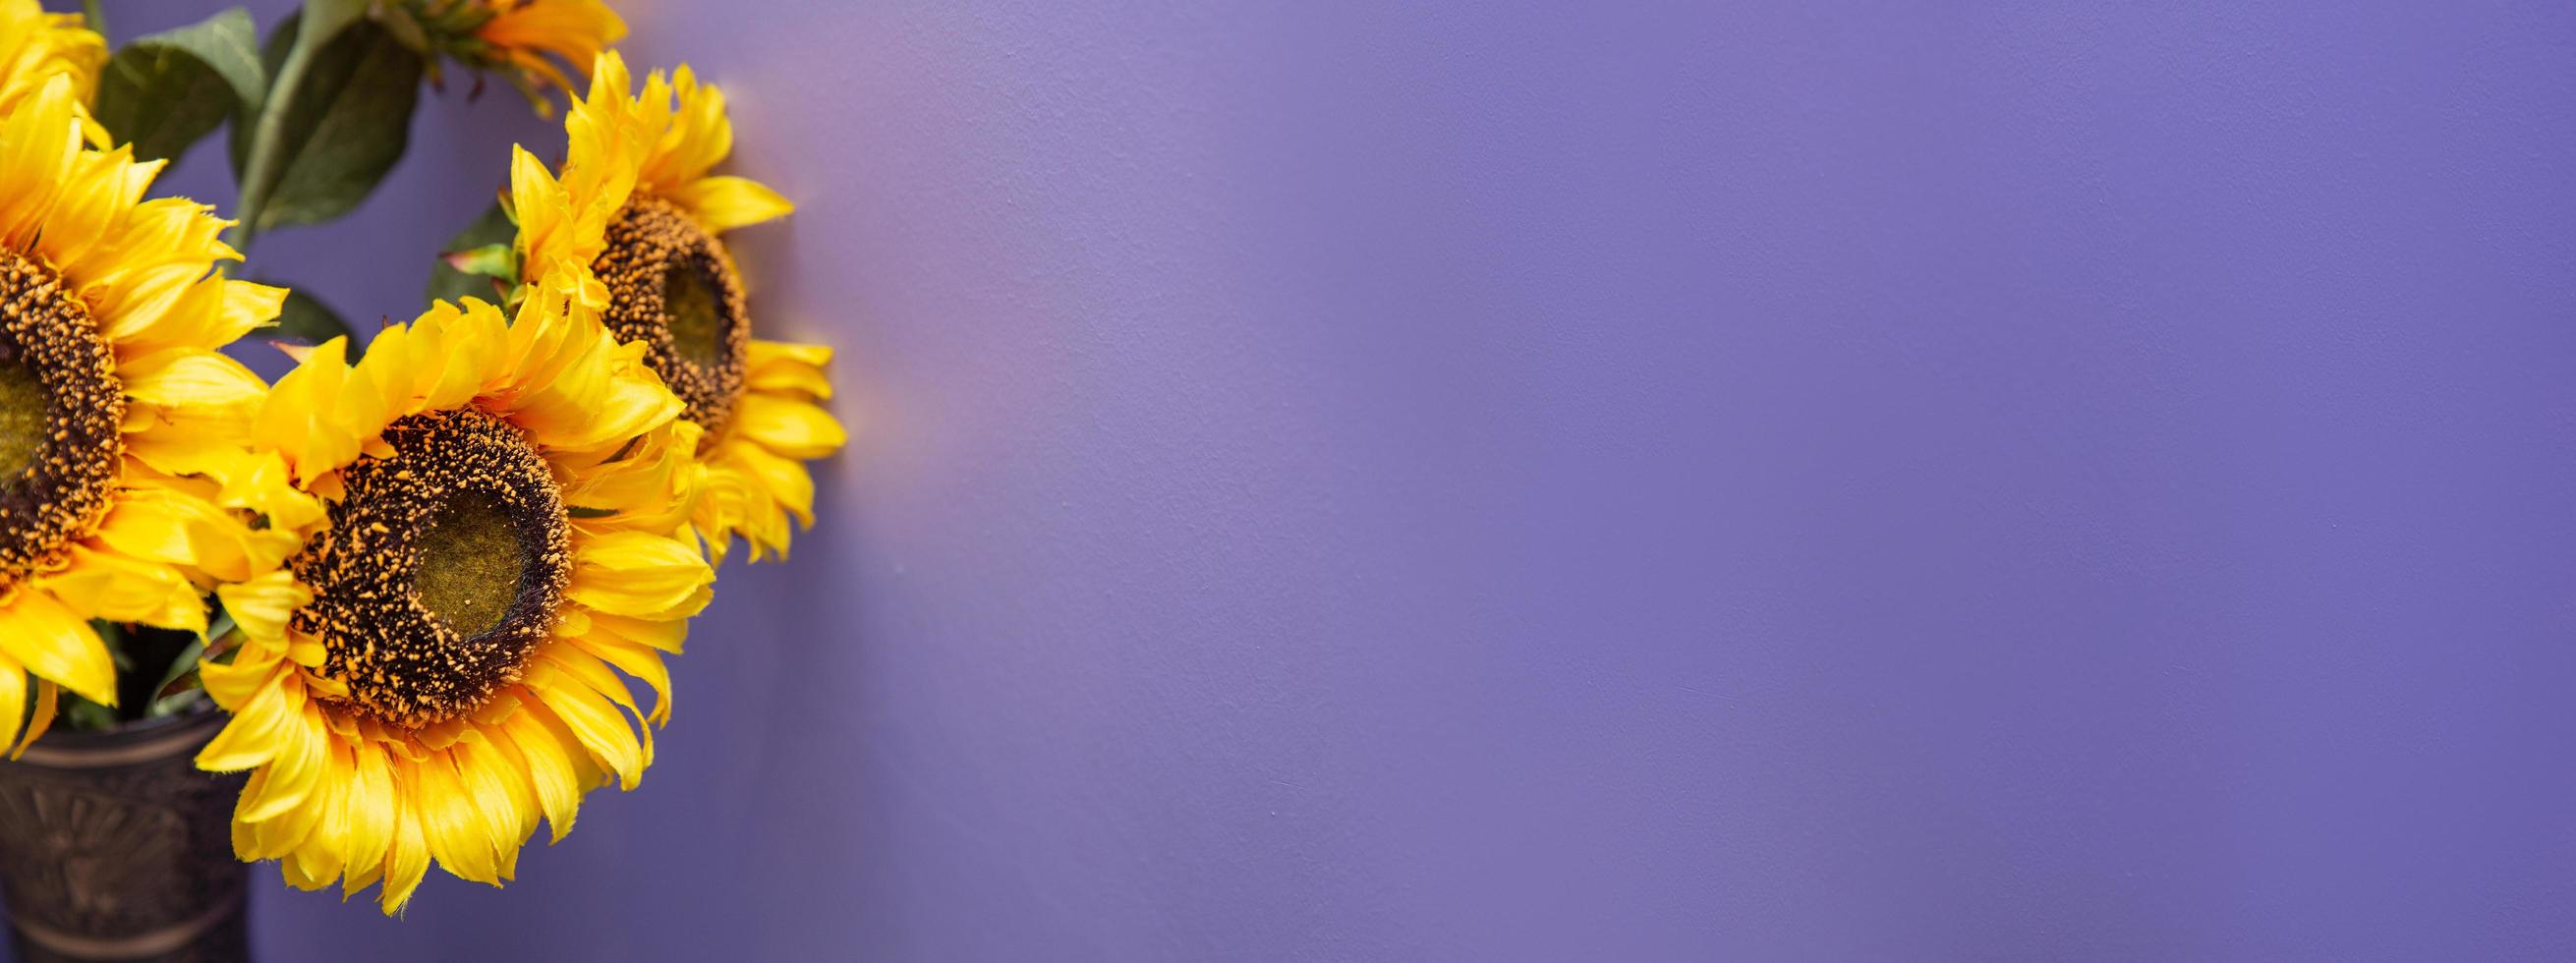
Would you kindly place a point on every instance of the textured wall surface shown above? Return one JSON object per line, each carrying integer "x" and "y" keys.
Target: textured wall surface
{"x": 1514, "y": 481}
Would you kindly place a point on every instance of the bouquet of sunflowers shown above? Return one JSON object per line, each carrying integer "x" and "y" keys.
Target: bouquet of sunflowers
{"x": 420, "y": 573}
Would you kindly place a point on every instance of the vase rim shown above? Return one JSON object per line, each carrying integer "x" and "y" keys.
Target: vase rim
{"x": 140, "y": 741}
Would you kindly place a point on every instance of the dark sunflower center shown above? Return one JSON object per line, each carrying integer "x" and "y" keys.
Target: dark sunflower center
{"x": 60, "y": 408}
{"x": 441, "y": 570}
{"x": 22, "y": 417}
{"x": 672, "y": 287}
{"x": 471, "y": 564}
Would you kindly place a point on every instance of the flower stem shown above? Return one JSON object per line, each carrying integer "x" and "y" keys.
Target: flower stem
{"x": 261, "y": 170}
{"x": 97, "y": 16}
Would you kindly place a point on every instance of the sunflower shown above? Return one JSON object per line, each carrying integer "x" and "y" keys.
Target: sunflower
{"x": 528, "y": 41}
{"x": 35, "y": 45}
{"x": 637, "y": 210}
{"x": 488, "y": 510}
{"x": 113, "y": 407}
{"x": 532, "y": 34}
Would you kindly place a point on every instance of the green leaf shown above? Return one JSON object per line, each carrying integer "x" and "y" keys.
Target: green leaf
{"x": 81, "y": 715}
{"x": 449, "y": 280}
{"x": 165, "y": 91}
{"x": 329, "y": 17}
{"x": 398, "y": 20}
{"x": 272, "y": 55}
{"x": 182, "y": 666}
{"x": 175, "y": 703}
{"x": 112, "y": 635}
{"x": 343, "y": 131}
{"x": 305, "y": 318}
{"x": 490, "y": 260}
{"x": 228, "y": 43}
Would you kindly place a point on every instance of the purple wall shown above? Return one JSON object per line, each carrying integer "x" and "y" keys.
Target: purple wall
{"x": 1495, "y": 482}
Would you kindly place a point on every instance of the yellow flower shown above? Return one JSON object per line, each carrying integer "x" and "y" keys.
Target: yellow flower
{"x": 638, "y": 211}
{"x": 529, "y": 37}
{"x": 114, "y": 407}
{"x": 35, "y": 45}
{"x": 488, "y": 509}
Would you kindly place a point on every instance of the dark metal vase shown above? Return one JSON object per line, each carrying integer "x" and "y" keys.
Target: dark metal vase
{"x": 113, "y": 846}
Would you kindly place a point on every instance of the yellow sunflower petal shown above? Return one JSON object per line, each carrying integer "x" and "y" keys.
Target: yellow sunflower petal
{"x": 590, "y": 404}
{"x": 788, "y": 427}
{"x": 407, "y": 858}
{"x": 601, "y": 729}
{"x": 295, "y": 776}
{"x": 36, "y": 46}
{"x": 368, "y": 806}
{"x": 40, "y": 718}
{"x": 246, "y": 306}
{"x": 162, "y": 308}
{"x": 551, "y": 775}
{"x": 204, "y": 446}
{"x": 639, "y": 574}
{"x": 40, "y": 141}
{"x": 472, "y": 348}
{"x": 490, "y": 777}
{"x": 651, "y": 486}
{"x": 502, "y": 765}
{"x": 262, "y": 604}
{"x": 541, "y": 208}
{"x": 297, "y": 420}
{"x": 163, "y": 525}
{"x": 593, "y": 674}
{"x": 777, "y": 366}
{"x": 661, "y": 635}
{"x": 158, "y": 234}
{"x": 638, "y": 661}
{"x": 456, "y": 834}
{"x": 284, "y": 831}
{"x": 254, "y": 669}
{"x": 192, "y": 378}
{"x": 97, "y": 193}
{"x": 529, "y": 32}
{"x": 782, "y": 482}
{"x": 13, "y": 705}
{"x": 256, "y": 733}
{"x": 699, "y": 137}
{"x": 57, "y": 645}
{"x": 104, "y": 584}
{"x": 723, "y": 203}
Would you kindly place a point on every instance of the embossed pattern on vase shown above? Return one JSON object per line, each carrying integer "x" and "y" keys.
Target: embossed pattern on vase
{"x": 111, "y": 857}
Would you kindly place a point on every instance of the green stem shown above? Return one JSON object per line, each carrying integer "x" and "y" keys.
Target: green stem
{"x": 97, "y": 15}
{"x": 261, "y": 171}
